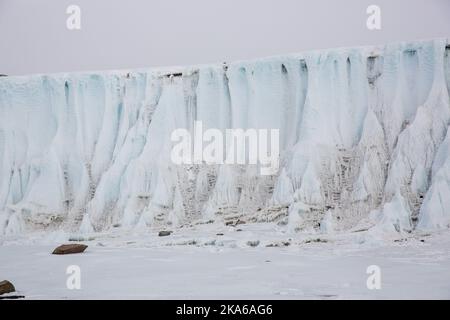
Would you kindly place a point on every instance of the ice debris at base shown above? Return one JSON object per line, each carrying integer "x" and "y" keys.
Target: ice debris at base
{"x": 362, "y": 130}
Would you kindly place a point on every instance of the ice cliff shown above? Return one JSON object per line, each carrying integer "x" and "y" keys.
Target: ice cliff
{"x": 363, "y": 139}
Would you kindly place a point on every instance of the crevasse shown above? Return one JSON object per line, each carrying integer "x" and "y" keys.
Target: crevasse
{"x": 363, "y": 133}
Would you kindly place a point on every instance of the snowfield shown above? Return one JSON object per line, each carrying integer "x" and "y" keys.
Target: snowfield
{"x": 197, "y": 264}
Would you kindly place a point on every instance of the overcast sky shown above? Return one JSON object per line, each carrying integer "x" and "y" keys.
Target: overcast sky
{"x": 117, "y": 34}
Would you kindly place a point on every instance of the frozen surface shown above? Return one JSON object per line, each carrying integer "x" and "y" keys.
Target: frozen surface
{"x": 364, "y": 144}
{"x": 196, "y": 263}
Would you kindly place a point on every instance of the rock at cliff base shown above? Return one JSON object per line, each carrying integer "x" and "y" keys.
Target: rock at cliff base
{"x": 70, "y": 248}
{"x": 164, "y": 233}
{"x": 6, "y": 287}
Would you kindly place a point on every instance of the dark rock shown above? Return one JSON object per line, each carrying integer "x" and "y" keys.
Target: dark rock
{"x": 253, "y": 243}
{"x": 164, "y": 233}
{"x": 70, "y": 248}
{"x": 278, "y": 244}
{"x": 6, "y": 287}
{"x": 361, "y": 230}
{"x": 238, "y": 229}
{"x": 316, "y": 240}
{"x": 11, "y": 297}
{"x": 219, "y": 234}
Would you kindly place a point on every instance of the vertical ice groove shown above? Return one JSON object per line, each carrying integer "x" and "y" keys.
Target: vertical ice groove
{"x": 361, "y": 130}
{"x": 239, "y": 95}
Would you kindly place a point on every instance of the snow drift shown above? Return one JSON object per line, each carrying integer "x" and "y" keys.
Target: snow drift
{"x": 363, "y": 134}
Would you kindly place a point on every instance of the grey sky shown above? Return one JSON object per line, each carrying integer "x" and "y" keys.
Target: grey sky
{"x": 120, "y": 34}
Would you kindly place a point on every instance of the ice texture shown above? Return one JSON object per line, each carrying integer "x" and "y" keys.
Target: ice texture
{"x": 364, "y": 140}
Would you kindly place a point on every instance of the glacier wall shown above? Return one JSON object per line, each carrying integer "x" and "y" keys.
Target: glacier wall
{"x": 363, "y": 138}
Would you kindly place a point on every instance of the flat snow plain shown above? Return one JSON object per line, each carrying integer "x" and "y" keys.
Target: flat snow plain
{"x": 196, "y": 263}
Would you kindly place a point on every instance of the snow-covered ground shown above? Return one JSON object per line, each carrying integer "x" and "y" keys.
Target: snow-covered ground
{"x": 195, "y": 262}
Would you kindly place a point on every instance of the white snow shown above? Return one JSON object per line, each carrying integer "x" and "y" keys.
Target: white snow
{"x": 197, "y": 264}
